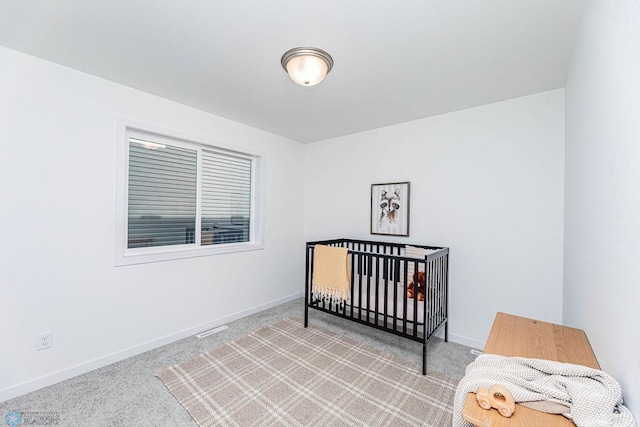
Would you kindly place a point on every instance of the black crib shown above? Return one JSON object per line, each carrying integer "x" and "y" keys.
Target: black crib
{"x": 380, "y": 274}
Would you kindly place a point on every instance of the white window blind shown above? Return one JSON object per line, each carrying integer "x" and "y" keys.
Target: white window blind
{"x": 162, "y": 194}
{"x": 226, "y": 198}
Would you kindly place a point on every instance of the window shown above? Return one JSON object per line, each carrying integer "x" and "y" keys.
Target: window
{"x": 180, "y": 198}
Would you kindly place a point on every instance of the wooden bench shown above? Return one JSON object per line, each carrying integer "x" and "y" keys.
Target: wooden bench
{"x": 518, "y": 336}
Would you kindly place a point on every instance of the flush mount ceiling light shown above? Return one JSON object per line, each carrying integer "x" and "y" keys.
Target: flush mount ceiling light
{"x": 307, "y": 66}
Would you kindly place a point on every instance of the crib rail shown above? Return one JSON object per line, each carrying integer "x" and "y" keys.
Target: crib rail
{"x": 381, "y": 274}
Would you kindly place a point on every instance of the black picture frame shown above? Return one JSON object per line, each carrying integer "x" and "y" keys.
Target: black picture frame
{"x": 390, "y": 208}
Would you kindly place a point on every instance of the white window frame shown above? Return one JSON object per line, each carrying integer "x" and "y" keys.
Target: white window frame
{"x": 129, "y": 256}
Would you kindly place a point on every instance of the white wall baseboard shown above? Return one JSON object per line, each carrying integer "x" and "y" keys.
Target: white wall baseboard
{"x": 459, "y": 339}
{"x": 465, "y": 341}
{"x": 83, "y": 368}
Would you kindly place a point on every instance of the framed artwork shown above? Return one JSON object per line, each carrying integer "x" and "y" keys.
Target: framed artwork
{"x": 390, "y": 208}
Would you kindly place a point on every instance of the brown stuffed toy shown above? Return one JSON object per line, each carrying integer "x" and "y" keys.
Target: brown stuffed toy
{"x": 410, "y": 287}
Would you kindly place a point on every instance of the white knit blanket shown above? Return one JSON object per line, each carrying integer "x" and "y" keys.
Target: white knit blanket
{"x": 593, "y": 397}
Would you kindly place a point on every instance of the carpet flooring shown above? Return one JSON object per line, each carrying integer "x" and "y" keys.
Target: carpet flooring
{"x": 128, "y": 393}
{"x": 288, "y": 375}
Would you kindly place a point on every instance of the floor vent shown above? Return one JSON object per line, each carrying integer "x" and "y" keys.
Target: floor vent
{"x": 212, "y": 331}
{"x": 476, "y": 352}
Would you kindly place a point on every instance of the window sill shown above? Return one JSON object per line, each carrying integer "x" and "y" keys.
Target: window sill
{"x": 160, "y": 254}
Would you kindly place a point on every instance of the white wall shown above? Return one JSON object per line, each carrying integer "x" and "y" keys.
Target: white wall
{"x": 487, "y": 182}
{"x": 602, "y": 188}
{"x": 57, "y": 186}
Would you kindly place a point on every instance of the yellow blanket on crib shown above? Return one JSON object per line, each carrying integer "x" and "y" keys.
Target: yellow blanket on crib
{"x": 331, "y": 272}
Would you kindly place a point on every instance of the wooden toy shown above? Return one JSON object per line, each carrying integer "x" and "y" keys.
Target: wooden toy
{"x": 497, "y": 397}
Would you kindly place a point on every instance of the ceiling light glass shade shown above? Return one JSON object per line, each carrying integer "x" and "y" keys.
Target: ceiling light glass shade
{"x": 307, "y": 66}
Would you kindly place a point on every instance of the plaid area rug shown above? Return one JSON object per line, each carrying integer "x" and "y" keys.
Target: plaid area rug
{"x": 285, "y": 374}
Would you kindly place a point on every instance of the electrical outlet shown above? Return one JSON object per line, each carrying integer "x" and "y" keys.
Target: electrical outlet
{"x": 44, "y": 340}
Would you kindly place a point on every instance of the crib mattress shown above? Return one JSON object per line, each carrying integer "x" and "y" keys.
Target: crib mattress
{"x": 360, "y": 301}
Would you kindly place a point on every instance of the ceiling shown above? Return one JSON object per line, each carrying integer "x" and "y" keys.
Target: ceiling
{"x": 395, "y": 61}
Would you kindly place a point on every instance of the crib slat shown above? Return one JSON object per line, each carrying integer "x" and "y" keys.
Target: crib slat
{"x": 396, "y": 273}
{"x": 416, "y": 273}
{"x": 386, "y": 289}
{"x": 405, "y": 265}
